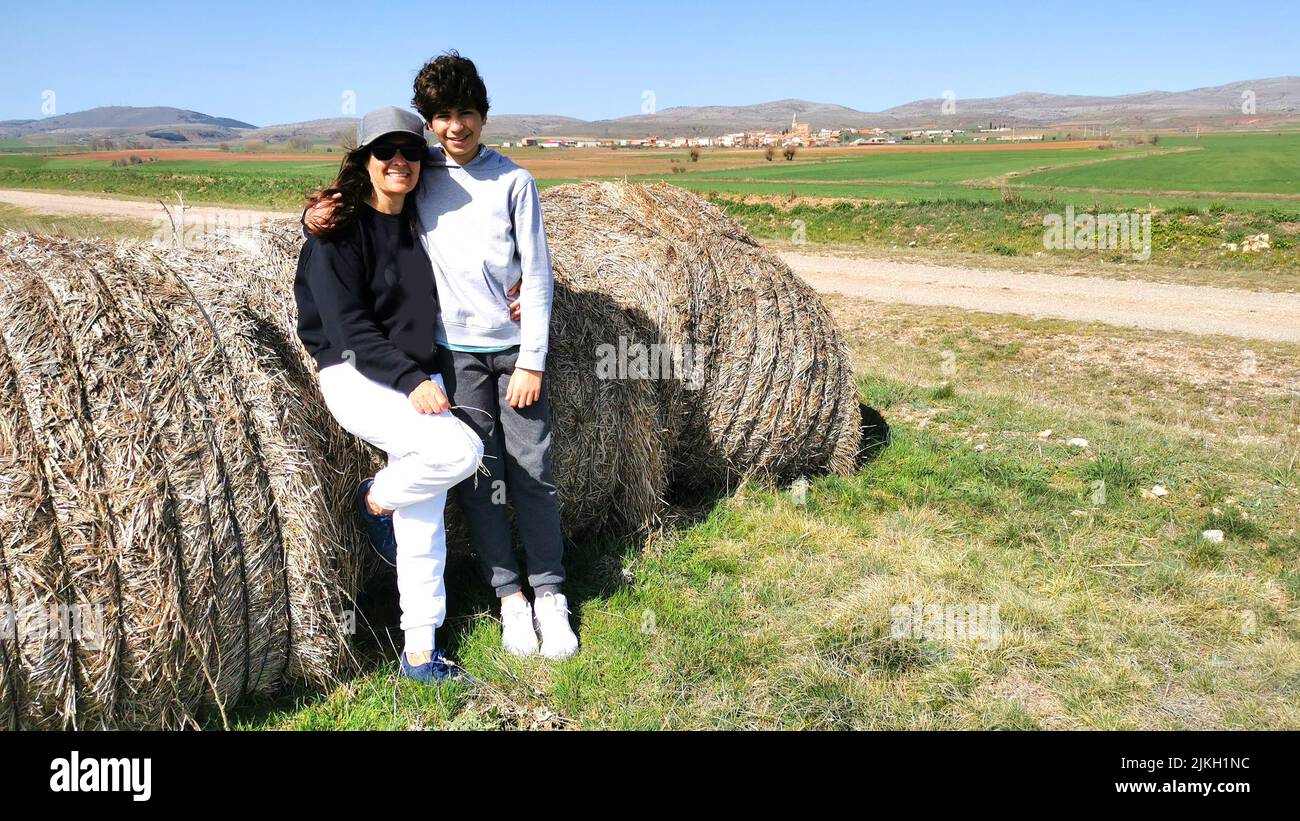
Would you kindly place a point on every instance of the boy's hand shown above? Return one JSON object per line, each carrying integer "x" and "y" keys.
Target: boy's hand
{"x": 429, "y": 398}
{"x": 514, "y": 306}
{"x": 524, "y": 389}
{"x": 320, "y": 215}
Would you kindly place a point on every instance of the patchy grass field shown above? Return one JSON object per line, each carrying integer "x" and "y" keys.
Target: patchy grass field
{"x": 281, "y": 184}
{"x": 1239, "y": 172}
{"x": 77, "y": 227}
{"x": 1187, "y": 244}
{"x": 919, "y": 167}
{"x": 1236, "y": 163}
{"x": 762, "y": 609}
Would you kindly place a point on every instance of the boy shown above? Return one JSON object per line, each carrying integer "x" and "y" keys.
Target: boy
{"x": 481, "y": 224}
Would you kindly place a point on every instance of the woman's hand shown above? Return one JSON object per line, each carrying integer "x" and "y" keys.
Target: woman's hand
{"x": 320, "y": 214}
{"x": 524, "y": 389}
{"x": 429, "y": 398}
{"x": 514, "y": 306}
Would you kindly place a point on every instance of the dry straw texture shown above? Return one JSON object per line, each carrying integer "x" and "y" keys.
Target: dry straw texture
{"x": 766, "y": 386}
{"x": 170, "y": 479}
{"x": 178, "y": 483}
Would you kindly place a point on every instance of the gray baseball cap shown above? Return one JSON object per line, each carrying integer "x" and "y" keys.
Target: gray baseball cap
{"x": 388, "y": 120}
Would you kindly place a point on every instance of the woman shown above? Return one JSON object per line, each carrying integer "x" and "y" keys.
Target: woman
{"x": 366, "y": 308}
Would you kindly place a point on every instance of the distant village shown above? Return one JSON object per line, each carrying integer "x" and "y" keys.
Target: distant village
{"x": 798, "y": 134}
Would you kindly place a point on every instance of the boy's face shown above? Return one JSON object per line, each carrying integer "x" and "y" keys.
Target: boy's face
{"x": 458, "y": 130}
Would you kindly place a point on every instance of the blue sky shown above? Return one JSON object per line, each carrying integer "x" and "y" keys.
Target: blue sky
{"x": 273, "y": 62}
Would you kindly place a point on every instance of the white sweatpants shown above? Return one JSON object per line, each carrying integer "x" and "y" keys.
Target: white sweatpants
{"x": 428, "y": 454}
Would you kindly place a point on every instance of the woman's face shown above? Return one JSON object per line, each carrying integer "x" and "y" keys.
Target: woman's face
{"x": 397, "y": 174}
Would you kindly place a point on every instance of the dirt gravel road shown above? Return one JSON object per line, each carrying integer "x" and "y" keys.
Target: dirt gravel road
{"x": 1158, "y": 306}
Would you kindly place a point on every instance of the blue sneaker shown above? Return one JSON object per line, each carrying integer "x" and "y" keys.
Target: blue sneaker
{"x": 437, "y": 669}
{"x": 379, "y": 528}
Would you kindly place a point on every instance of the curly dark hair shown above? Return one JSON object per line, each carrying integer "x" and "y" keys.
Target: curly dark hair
{"x": 447, "y": 83}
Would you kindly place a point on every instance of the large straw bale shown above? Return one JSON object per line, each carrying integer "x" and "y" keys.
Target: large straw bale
{"x": 771, "y": 390}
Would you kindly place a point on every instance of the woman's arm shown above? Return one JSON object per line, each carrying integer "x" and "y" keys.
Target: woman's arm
{"x": 336, "y": 274}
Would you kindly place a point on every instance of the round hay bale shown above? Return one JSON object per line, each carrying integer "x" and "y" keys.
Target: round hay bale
{"x": 87, "y": 570}
{"x": 36, "y": 672}
{"x": 611, "y": 457}
{"x": 311, "y": 465}
{"x": 137, "y": 494}
{"x": 164, "y": 519}
{"x": 249, "y": 603}
{"x": 762, "y": 384}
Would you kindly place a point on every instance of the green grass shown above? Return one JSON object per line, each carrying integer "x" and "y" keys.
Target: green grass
{"x": 1242, "y": 172}
{"x": 987, "y": 194}
{"x": 75, "y": 226}
{"x": 917, "y": 167}
{"x": 262, "y": 183}
{"x": 1183, "y": 239}
{"x": 1266, "y": 163}
{"x": 768, "y": 611}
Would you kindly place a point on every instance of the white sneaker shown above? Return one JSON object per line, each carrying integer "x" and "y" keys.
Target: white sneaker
{"x": 517, "y": 634}
{"x": 551, "y": 612}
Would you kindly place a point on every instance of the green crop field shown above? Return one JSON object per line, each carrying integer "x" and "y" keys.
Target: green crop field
{"x": 1245, "y": 172}
{"x": 1237, "y": 163}
{"x": 917, "y": 167}
{"x": 236, "y": 182}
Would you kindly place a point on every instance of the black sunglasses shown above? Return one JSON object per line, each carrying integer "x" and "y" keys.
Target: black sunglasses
{"x": 384, "y": 152}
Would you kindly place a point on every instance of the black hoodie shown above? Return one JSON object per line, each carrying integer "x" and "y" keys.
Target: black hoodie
{"x": 367, "y": 296}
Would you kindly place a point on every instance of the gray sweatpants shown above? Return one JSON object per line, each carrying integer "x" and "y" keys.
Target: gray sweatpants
{"x": 518, "y": 453}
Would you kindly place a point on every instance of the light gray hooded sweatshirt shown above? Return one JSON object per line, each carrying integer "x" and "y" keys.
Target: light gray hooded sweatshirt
{"x": 481, "y": 225}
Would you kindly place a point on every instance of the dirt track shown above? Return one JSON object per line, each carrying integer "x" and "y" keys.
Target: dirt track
{"x": 67, "y": 204}
{"x": 1158, "y": 306}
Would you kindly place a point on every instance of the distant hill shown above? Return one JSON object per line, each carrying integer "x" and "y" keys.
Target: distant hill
{"x": 515, "y": 126}
{"x": 126, "y": 122}
{"x": 311, "y": 130}
{"x": 1275, "y": 100}
{"x": 692, "y": 121}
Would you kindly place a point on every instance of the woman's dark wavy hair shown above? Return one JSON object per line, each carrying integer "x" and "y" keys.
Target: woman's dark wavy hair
{"x": 353, "y": 182}
{"x": 448, "y": 83}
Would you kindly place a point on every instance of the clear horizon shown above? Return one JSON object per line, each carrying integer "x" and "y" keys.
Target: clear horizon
{"x": 269, "y": 65}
